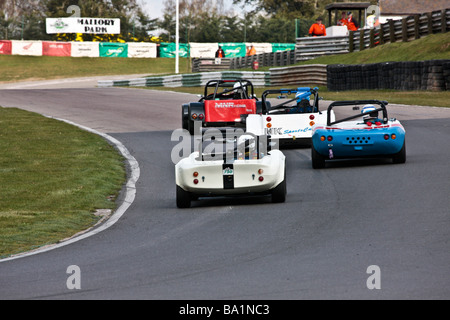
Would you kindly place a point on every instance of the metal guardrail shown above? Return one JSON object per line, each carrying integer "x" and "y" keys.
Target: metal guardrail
{"x": 210, "y": 64}
{"x": 306, "y": 75}
{"x": 268, "y": 59}
{"x": 258, "y": 78}
{"x": 407, "y": 29}
{"x": 312, "y": 47}
{"x": 306, "y": 48}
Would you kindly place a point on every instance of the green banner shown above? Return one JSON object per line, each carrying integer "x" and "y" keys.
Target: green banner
{"x": 276, "y": 47}
{"x": 114, "y": 50}
{"x": 233, "y": 49}
{"x": 167, "y": 50}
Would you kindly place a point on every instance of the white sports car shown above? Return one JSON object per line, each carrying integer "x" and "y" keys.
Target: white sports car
{"x": 238, "y": 165}
{"x": 291, "y": 121}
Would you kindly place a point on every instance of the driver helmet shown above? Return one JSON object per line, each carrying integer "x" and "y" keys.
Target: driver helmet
{"x": 302, "y": 98}
{"x": 240, "y": 86}
{"x": 368, "y": 108}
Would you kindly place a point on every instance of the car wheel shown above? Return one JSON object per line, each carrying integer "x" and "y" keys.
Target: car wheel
{"x": 190, "y": 127}
{"x": 279, "y": 192}
{"x": 183, "y": 198}
{"x": 400, "y": 157}
{"x": 184, "y": 120}
{"x": 318, "y": 161}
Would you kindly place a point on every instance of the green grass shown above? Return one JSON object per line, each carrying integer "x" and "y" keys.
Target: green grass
{"x": 53, "y": 176}
{"x": 427, "y": 48}
{"x": 17, "y": 68}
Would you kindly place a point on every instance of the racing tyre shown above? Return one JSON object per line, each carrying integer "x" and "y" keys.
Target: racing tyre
{"x": 401, "y": 156}
{"x": 183, "y": 198}
{"x": 279, "y": 192}
{"x": 318, "y": 161}
{"x": 184, "y": 117}
{"x": 190, "y": 127}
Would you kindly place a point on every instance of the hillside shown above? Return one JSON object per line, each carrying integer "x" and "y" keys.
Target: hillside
{"x": 436, "y": 46}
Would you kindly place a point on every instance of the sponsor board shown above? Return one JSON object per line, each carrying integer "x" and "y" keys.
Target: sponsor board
{"x": 82, "y": 25}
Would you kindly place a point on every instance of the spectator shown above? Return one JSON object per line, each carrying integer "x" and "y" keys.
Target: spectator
{"x": 220, "y": 53}
{"x": 352, "y": 24}
{"x": 251, "y": 51}
{"x": 317, "y": 29}
{"x": 343, "y": 20}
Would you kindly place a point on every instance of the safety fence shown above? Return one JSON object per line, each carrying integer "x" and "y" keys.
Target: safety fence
{"x": 306, "y": 48}
{"x": 312, "y": 47}
{"x": 406, "y": 29}
{"x": 258, "y": 78}
{"x": 306, "y": 75}
{"x": 135, "y": 49}
{"x": 268, "y": 59}
{"x": 78, "y": 49}
{"x": 280, "y": 58}
{"x": 211, "y": 64}
{"x": 431, "y": 75}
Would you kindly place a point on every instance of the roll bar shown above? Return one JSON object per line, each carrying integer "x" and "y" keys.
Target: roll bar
{"x": 382, "y": 108}
{"x": 314, "y": 91}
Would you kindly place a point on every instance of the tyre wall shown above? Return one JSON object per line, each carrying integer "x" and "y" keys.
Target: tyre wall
{"x": 431, "y": 75}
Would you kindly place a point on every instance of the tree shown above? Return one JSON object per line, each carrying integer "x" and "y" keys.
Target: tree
{"x": 300, "y": 9}
{"x": 20, "y": 18}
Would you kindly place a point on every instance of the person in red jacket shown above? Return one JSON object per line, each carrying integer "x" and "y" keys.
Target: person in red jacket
{"x": 220, "y": 53}
{"x": 318, "y": 29}
{"x": 343, "y": 20}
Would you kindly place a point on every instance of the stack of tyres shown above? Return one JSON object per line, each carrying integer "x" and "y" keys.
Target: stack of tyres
{"x": 446, "y": 74}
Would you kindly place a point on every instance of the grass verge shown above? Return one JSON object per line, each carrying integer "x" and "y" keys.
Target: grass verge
{"x": 53, "y": 176}
{"x": 17, "y": 68}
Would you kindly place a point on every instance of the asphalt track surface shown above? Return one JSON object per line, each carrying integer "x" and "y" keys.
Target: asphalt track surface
{"x": 319, "y": 244}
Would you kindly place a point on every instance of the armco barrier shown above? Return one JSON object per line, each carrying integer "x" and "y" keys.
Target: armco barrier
{"x": 305, "y": 75}
{"x": 431, "y": 75}
{"x": 259, "y": 79}
{"x": 312, "y": 47}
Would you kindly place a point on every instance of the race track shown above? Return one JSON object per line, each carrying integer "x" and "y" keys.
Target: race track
{"x": 319, "y": 244}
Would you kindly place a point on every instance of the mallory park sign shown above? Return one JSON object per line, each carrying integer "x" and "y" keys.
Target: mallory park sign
{"x": 83, "y": 25}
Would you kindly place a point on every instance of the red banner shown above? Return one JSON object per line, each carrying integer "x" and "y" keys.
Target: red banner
{"x": 56, "y": 49}
{"x": 5, "y": 47}
{"x": 228, "y": 110}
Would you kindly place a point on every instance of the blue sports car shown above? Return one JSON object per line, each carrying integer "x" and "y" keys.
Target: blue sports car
{"x": 358, "y": 134}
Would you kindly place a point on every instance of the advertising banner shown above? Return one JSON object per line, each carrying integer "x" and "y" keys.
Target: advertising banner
{"x": 276, "y": 47}
{"x": 260, "y": 47}
{"x": 85, "y": 49}
{"x": 203, "y": 50}
{"x": 114, "y": 50}
{"x": 26, "y": 48}
{"x": 83, "y": 25}
{"x": 228, "y": 110}
{"x": 167, "y": 50}
{"x": 56, "y": 49}
{"x": 141, "y": 50}
{"x": 5, "y": 47}
{"x": 234, "y": 49}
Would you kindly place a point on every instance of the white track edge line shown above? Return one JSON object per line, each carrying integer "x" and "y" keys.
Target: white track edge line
{"x": 130, "y": 194}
